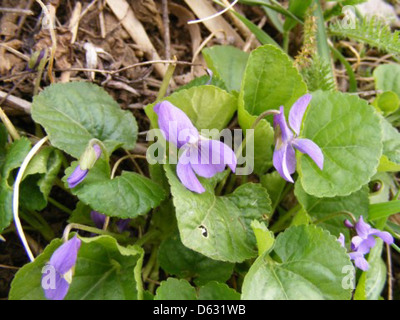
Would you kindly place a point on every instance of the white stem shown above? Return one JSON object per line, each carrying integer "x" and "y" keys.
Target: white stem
{"x": 214, "y": 15}
{"x": 17, "y": 183}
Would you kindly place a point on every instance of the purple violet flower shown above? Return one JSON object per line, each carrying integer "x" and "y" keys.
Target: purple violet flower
{"x": 61, "y": 263}
{"x": 200, "y": 156}
{"x": 80, "y": 174}
{"x": 286, "y": 140}
{"x": 358, "y": 258}
{"x": 365, "y": 238}
{"x": 364, "y": 241}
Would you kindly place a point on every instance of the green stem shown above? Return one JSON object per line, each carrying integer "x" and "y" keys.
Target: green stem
{"x": 395, "y": 247}
{"x": 9, "y": 126}
{"x": 337, "y": 214}
{"x": 349, "y": 70}
{"x": 166, "y": 81}
{"x": 82, "y": 227}
{"x": 147, "y": 237}
{"x": 150, "y": 264}
{"x": 286, "y": 40}
{"x": 231, "y": 183}
{"x": 36, "y": 221}
{"x": 59, "y": 206}
{"x": 280, "y": 224}
{"x": 322, "y": 39}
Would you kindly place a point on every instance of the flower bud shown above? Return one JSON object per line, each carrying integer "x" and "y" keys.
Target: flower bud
{"x": 37, "y": 58}
{"x": 90, "y": 156}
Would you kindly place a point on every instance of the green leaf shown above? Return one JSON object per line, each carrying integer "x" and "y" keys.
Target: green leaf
{"x": 81, "y": 215}
{"x": 301, "y": 218}
{"x": 372, "y": 282}
{"x": 391, "y": 142}
{"x": 13, "y": 159}
{"x": 298, "y": 8}
{"x": 104, "y": 271}
{"x": 310, "y": 267}
{"x": 182, "y": 262}
{"x": 76, "y": 112}
{"x": 203, "y": 81}
{"x": 208, "y": 107}
{"x": 322, "y": 38}
{"x": 387, "y": 102}
{"x": 39, "y": 178}
{"x": 227, "y": 63}
{"x": 264, "y": 88}
{"x": 126, "y": 196}
{"x": 265, "y": 238}
{"x": 324, "y": 208}
{"x": 275, "y": 186}
{"x": 217, "y": 291}
{"x": 349, "y": 133}
{"x": 174, "y": 289}
{"x": 219, "y": 227}
{"x": 378, "y": 211}
{"x": 387, "y": 78}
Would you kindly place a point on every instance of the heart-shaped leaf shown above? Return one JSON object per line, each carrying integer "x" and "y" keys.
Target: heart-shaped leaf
{"x": 126, "y": 196}
{"x": 310, "y": 266}
{"x": 219, "y": 227}
{"x": 349, "y": 132}
{"x": 74, "y": 113}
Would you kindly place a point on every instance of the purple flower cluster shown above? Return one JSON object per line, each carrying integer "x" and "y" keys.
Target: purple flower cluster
{"x": 364, "y": 241}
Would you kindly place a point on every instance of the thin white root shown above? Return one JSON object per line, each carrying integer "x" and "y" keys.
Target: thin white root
{"x": 15, "y": 207}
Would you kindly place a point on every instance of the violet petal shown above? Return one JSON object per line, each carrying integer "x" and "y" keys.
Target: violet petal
{"x": 175, "y": 124}
{"x": 97, "y": 150}
{"x": 280, "y": 162}
{"x": 385, "y": 236}
{"x": 76, "y": 177}
{"x": 342, "y": 240}
{"x": 297, "y": 112}
{"x": 363, "y": 229}
{"x": 310, "y": 148}
{"x": 281, "y": 128}
{"x": 348, "y": 224}
{"x": 64, "y": 258}
{"x": 359, "y": 260}
{"x": 187, "y": 176}
{"x": 60, "y": 290}
{"x": 212, "y": 157}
